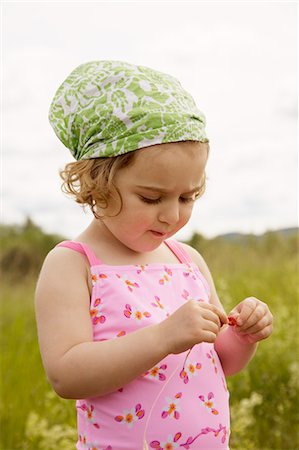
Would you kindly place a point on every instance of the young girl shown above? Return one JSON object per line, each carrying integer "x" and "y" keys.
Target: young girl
{"x": 129, "y": 320}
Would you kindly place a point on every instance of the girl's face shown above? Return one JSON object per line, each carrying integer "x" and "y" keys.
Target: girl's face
{"x": 158, "y": 192}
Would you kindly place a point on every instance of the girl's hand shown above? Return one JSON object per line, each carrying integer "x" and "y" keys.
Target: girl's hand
{"x": 192, "y": 323}
{"x": 251, "y": 320}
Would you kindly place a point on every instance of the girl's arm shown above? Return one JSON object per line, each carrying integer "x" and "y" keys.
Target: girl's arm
{"x": 76, "y": 366}
{"x": 234, "y": 353}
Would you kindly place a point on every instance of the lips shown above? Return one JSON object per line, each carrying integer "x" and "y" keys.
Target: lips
{"x": 158, "y": 233}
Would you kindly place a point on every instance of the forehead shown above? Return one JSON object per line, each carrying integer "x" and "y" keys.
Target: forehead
{"x": 175, "y": 166}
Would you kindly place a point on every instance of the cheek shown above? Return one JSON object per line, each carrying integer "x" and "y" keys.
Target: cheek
{"x": 186, "y": 213}
{"x": 136, "y": 215}
{"x": 142, "y": 217}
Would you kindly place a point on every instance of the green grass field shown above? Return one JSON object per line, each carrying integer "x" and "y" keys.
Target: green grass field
{"x": 263, "y": 398}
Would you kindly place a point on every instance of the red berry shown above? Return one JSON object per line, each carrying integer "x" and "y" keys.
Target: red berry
{"x": 232, "y": 321}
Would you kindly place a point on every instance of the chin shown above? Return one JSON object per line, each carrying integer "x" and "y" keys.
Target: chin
{"x": 143, "y": 247}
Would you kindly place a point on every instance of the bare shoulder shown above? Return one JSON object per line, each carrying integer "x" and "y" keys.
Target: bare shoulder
{"x": 62, "y": 302}
{"x": 63, "y": 282}
{"x": 195, "y": 255}
{"x": 203, "y": 267}
{"x": 62, "y": 254}
{"x": 62, "y": 265}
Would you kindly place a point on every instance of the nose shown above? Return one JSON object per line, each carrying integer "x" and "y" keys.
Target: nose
{"x": 170, "y": 213}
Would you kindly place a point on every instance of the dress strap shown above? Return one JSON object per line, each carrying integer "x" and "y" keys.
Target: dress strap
{"x": 82, "y": 248}
{"x": 184, "y": 257}
{"x": 179, "y": 251}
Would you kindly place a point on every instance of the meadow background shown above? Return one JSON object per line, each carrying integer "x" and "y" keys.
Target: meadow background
{"x": 264, "y": 397}
{"x": 239, "y": 62}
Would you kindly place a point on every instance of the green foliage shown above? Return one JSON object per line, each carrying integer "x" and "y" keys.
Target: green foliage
{"x": 40, "y": 434}
{"x": 23, "y": 250}
{"x": 26, "y": 395}
{"x": 243, "y": 419}
{"x": 263, "y": 397}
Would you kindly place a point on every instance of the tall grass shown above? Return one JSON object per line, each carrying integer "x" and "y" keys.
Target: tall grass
{"x": 263, "y": 397}
{"x": 25, "y": 392}
{"x": 269, "y": 418}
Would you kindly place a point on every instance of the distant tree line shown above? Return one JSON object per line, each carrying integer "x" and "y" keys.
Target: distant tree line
{"x": 23, "y": 249}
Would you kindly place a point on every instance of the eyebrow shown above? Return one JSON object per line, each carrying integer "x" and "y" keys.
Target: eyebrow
{"x": 166, "y": 191}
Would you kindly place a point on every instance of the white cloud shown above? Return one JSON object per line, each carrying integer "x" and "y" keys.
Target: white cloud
{"x": 238, "y": 61}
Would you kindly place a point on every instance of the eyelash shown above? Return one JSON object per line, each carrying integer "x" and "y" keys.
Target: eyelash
{"x": 158, "y": 200}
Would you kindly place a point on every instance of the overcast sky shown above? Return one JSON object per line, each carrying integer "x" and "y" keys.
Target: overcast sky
{"x": 238, "y": 60}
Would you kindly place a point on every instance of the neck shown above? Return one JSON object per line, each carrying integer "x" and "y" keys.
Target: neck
{"x": 97, "y": 235}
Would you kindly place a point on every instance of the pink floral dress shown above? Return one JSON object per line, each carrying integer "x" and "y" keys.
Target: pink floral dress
{"x": 182, "y": 402}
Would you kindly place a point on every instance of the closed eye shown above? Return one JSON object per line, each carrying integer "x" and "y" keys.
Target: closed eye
{"x": 150, "y": 200}
{"x": 158, "y": 200}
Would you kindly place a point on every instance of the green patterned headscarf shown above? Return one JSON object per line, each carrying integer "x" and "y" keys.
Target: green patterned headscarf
{"x": 108, "y": 108}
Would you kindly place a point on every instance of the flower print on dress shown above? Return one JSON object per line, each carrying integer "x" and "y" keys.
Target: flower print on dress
{"x": 165, "y": 276}
{"x": 156, "y": 372}
{"x": 187, "y": 296}
{"x": 190, "y": 273}
{"x": 89, "y": 414}
{"x": 140, "y": 268}
{"x": 191, "y": 440}
{"x": 172, "y": 407}
{"x": 95, "y": 277}
{"x": 132, "y": 312}
{"x": 121, "y": 333}
{"x": 189, "y": 370}
{"x": 91, "y": 445}
{"x": 211, "y": 356}
{"x": 130, "y": 284}
{"x": 82, "y": 439}
{"x": 188, "y": 444}
{"x": 208, "y": 403}
{"x": 95, "y": 312}
{"x": 157, "y": 304}
{"x": 131, "y": 415}
{"x": 169, "y": 444}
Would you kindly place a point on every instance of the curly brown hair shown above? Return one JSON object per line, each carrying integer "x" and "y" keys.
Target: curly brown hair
{"x": 91, "y": 181}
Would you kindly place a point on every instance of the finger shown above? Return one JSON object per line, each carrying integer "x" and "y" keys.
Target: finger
{"x": 260, "y": 335}
{"x": 258, "y": 326}
{"x": 211, "y": 326}
{"x": 211, "y": 317}
{"x": 246, "y": 309}
{"x": 221, "y": 314}
{"x": 232, "y": 317}
{"x": 208, "y": 336}
{"x": 257, "y": 314}
{"x": 223, "y": 318}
